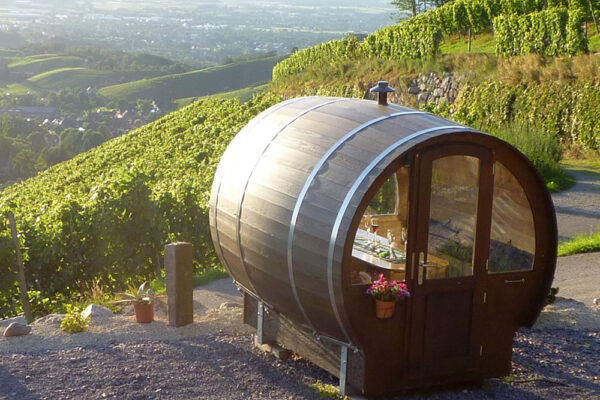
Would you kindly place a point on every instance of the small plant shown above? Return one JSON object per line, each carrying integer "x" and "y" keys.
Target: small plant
{"x": 141, "y": 295}
{"x": 74, "y": 321}
{"x": 551, "y": 298}
{"x": 328, "y": 391}
{"x": 384, "y": 290}
{"x": 142, "y": 299}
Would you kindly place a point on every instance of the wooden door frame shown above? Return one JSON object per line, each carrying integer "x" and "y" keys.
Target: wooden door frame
{"x": 419, "y": 224}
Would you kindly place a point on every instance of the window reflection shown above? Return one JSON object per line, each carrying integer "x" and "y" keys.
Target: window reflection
{"x": 382, "y": 233}
{"x": 512, "y": 244}
{"x": 452, "y": 217}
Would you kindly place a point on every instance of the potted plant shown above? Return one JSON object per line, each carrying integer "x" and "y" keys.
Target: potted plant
{"x": 142, "y": 299}
{"x": 386, "y": 295}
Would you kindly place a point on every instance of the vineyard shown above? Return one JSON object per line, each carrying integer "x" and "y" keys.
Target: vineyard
{"x": 106, "y": 214}
{"x": 532, "y": 26}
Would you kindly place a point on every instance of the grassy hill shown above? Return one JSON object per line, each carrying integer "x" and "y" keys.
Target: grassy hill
{"x": 42, "y": 63}
{"x": 196, "y": 83}
{"x": 84, "y": 77}
{"x": 242, "y": 95}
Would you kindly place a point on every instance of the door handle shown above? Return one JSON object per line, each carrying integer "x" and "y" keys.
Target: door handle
{"x": 421, "y": 267}
{"x": 429, "y": 265}
{"x": 522, "y": 280}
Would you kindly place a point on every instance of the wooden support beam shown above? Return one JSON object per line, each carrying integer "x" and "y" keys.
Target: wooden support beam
{"x": 179, "y": 280}
{"x": 21, "y": 274}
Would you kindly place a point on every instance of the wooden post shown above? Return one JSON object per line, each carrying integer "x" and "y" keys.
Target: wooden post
{"x": 180, "y": 283}
{"x": 21, "y": 274}
{"x": 158, "y": 266}
{"x": 593, "y": 16}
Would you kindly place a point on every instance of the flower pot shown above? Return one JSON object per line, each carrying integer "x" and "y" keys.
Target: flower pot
{"x": 144, "y": 312}
{"x": 384, "y": 309}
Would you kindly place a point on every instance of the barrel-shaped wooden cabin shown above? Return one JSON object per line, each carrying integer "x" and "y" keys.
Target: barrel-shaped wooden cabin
{"x": 317, "y": 196}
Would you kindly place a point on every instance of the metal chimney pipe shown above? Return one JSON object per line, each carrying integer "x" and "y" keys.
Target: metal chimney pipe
{"x": 382, "y": 89}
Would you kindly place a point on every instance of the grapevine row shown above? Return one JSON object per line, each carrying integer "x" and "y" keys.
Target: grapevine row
{"x": 420, "y": 36}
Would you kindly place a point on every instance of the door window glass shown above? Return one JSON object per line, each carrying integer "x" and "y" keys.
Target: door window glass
{"x": 512, "y": 242}
{"x": 452, "y": 217}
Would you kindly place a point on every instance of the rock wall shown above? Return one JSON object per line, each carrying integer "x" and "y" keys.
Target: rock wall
{"x": 425, "y": 88}
{"x": 430, "y": 87}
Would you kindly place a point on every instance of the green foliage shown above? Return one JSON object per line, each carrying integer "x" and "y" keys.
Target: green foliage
{"x": 484, "y": 43}
{"x": 580, "y": 244}
{"x": 418, "y": 39}
{"x": 107, "y": 214}
{"x": 563, "y": 110}
{"x": 327, "y": 53}
{"x": 505, "y": 115}
{"x": 500, "y": 110}
{"x": 41, "y": 305}
{"x": 328, "y": 391}
{"x": 242, "y": 95}
{"x": 550, "y": 32}
{"x": 74, "y": 322}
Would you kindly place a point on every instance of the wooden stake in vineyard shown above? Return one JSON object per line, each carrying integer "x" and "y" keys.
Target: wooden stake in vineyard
{"x": 21, "y": 274}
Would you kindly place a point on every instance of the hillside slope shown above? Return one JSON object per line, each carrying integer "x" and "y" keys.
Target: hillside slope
{"x": 42, "y": 63}
{"x": 107, "y": 213}
{"x": 204, "y": 82}
{"x": 83, "y": 77}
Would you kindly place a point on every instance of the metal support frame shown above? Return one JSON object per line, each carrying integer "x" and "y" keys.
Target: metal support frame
{"x": 343, "y": 369}
{"x": 259, "y": 323}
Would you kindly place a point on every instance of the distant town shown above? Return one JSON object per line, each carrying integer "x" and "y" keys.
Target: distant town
{"x": 199, "y": 32}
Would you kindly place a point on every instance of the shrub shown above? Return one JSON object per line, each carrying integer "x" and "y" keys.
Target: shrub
{"x": 74, "y": 321}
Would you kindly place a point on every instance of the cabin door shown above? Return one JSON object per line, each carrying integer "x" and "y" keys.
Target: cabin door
{"x": 451, "y": 214}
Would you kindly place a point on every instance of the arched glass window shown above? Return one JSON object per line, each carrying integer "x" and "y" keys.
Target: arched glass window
{"x": 512, "y": 242}
{"x": 380, "y": 239}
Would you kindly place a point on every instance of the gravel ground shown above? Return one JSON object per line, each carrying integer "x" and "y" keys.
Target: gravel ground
{"x": 214, "y": 358}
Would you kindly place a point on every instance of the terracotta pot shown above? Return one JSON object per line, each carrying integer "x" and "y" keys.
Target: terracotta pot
{"x": 144, "y": 312}
{"x": 384, "y": 309}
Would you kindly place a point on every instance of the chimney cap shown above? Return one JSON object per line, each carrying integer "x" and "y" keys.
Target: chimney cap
{"x": 382, "y": 87}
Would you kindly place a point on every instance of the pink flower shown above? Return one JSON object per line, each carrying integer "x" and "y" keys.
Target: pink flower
{"x": 384, "y": 290}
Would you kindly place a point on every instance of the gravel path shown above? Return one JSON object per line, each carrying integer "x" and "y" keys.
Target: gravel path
{"x": 578, "y": 277}
{"x": 578, "y": 209}
{"x": 578, "y": 212}
{"x": 214, "y": 294}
